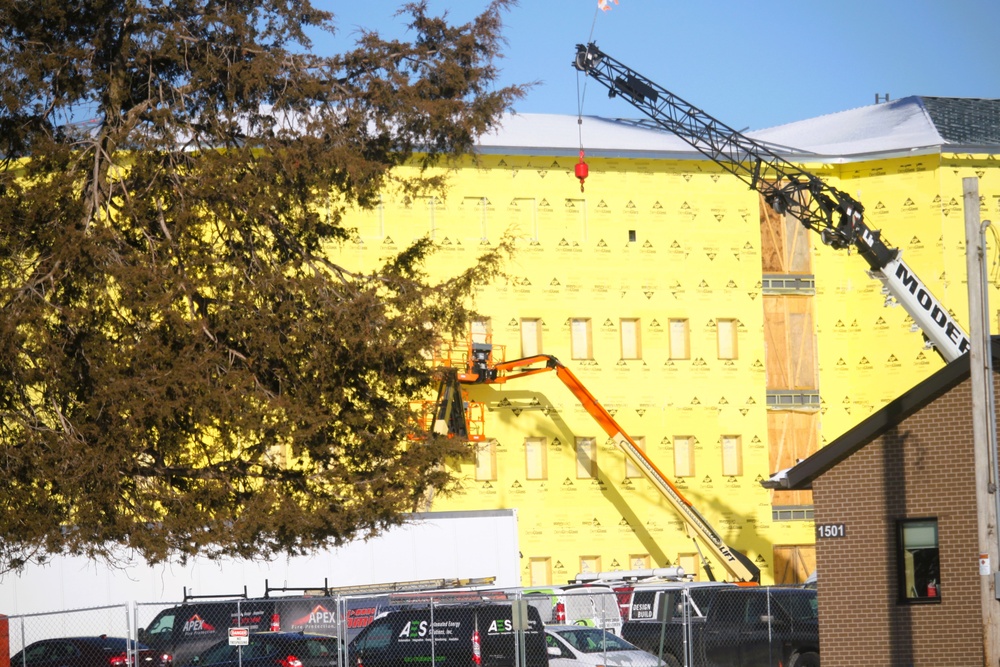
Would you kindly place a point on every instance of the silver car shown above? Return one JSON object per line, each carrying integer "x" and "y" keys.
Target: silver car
{"x": 582, "y": 646}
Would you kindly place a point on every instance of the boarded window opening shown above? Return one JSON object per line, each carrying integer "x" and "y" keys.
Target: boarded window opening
{"x": 586, "y": 458}
{"x": 630, "y": 337}
{"x": 531, "y": 336}
{"x": 486, "y": 461}
{"x": 581, "y": 338}
{"x": 680, "y": 337}
{"x": 540, "y": 570}
{"x": 536, "y": 454}
{"x": 726, "y": 334}
{"x": 683, "y": 456}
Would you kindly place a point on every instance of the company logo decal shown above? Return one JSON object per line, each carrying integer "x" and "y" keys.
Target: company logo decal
{"x": 197, "y": 625}
{"x": 319, "y": 615}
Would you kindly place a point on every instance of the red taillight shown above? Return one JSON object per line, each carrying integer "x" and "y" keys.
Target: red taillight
{"x": 166, "y": 660}
{"x": 290, "y": 661}
{"x": 118, "y": 660}
{"x": 560, "y": 612}
{"x": 477, "y": 649}
{"x": 624, "y": 600}
{"x": 275, "y": 622}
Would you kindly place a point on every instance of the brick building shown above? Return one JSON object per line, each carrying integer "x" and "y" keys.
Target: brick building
{"x": 895, "y": 507}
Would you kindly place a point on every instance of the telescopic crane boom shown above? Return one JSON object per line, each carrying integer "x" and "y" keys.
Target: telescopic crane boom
{"x": 836, "y": 216}
{"x": 482, "y": 370}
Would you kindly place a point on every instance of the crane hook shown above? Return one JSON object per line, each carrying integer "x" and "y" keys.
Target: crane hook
{"x": 582, "y": 170}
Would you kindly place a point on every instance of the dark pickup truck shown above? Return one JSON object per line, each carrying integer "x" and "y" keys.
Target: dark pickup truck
{"x": 732, "y": 627}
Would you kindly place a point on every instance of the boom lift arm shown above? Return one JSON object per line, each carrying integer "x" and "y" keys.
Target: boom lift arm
{"x": 836, "y": 216}
{"x": 482, "y": 371}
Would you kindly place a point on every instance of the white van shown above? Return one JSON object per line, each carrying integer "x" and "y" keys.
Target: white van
{"x": 647, "y": 599}
{"x": 594, "y": 605}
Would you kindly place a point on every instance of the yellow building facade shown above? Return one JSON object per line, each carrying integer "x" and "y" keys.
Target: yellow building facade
{"x": 728, "y": 343}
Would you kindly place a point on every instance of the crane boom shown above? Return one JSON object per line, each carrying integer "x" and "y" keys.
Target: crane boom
{"x": 836, "y": 216}
{"x": 737, "y": 564}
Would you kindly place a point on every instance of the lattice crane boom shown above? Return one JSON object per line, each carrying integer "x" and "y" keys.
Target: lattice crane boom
{"x": 832, "y": 213}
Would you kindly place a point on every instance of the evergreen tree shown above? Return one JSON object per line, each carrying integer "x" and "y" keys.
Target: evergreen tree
{"x": 183, "y": 369}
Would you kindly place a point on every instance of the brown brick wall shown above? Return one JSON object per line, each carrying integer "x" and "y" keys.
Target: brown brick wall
{"x": 922, "y": 468}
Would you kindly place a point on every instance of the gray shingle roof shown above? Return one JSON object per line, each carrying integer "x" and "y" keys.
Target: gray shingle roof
{"x": 967, "y": 121}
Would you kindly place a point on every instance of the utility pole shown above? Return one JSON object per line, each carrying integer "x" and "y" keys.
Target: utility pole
{"x": 982, "y": 423}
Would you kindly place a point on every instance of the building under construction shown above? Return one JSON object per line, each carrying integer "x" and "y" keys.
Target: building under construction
{"x": 726, "y": 339}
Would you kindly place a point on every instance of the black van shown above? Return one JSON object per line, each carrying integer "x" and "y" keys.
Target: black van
{"x": 460, "y": 635}
{"x": 187, "y": 630}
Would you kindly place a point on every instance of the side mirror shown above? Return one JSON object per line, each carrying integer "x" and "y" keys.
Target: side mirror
{"x": 554, "y": 652}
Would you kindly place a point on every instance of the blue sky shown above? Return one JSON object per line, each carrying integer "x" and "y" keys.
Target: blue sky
{"x": 751, "y": 65}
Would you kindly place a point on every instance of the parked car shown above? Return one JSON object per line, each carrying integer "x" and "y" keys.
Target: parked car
{"x": 99, "y": 651}
{"x": 458, "y": 635}
{"x": 579, "y": 646}
{"x": 272, "y": 649}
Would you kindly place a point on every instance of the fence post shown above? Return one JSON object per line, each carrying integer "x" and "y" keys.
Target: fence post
{"x": 4, "y": 641}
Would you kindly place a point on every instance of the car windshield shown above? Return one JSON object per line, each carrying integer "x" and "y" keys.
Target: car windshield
{"x": 594, "y": 640}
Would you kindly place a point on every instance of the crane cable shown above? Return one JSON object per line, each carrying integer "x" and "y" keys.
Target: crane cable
{"x": 582, "y": 170}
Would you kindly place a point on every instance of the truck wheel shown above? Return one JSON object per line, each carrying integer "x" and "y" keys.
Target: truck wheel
{"x": 808, "y": 659}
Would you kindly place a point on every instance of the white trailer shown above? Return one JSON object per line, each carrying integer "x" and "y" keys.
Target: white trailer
{"x": 428, "y": 546}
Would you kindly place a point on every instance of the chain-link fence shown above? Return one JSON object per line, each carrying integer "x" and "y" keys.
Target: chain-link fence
{"x": 687, "y": 625}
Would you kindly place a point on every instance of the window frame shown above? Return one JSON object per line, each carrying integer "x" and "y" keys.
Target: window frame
{"x": 679, "y": 345}
{"x": 542, "y": 452}
{"x": 587, "y": 344}
{"x": 902, "y": 586}
{"x": 486, "y": 460}
{"x": 634, "y": 341}
{"x": 737, "y": 456}
{"x": 581, "y": 471}
{"x": 732, "y": 350}
{"x": 535, "y": 339}
{"x": 688, "y": 441}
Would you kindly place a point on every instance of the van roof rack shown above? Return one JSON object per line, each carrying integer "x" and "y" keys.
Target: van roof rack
{"x": 675, "y": 573}
{"x": 394, "y": 587}
{"x": 448, "y": 597}
{"x": 190, "y": 596}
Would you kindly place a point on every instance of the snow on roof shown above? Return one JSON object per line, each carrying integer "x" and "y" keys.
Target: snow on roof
{"x": 559, "y": 134}
{"x": 902, "y": 126}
